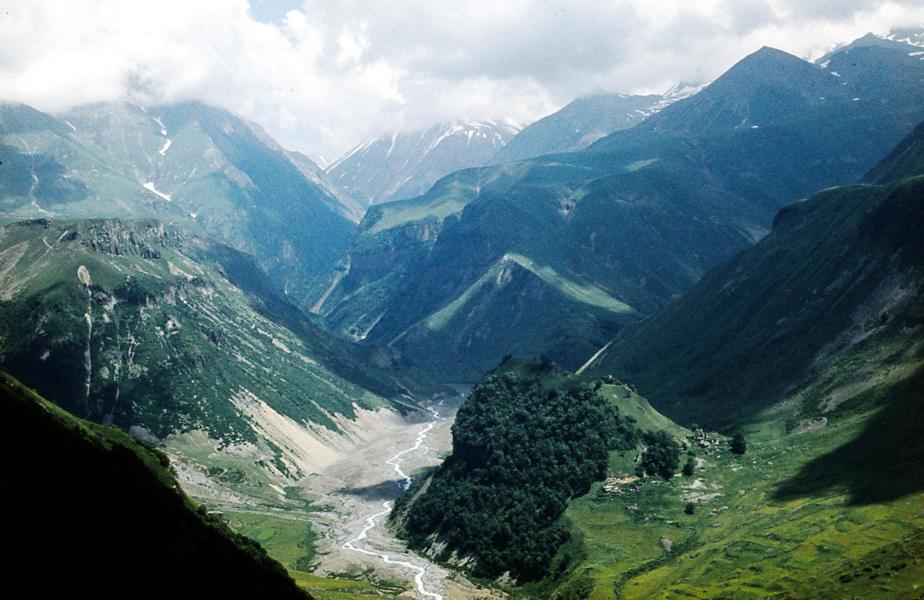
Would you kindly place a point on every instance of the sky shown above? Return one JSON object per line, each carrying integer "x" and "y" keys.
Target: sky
{"x": 324, "y": 76}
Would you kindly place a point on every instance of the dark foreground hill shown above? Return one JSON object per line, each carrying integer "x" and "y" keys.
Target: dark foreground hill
{"x": 91, "y": 513}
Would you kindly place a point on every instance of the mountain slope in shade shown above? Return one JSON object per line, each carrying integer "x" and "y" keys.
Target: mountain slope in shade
{"x": 906, "y": 160}
{"x": 114, "y": 514}
{"x": 633, "y": 220}
{"x": 832, "y": 297}
{"x": 403, "y": 165}
{"x": 186, "y": 161}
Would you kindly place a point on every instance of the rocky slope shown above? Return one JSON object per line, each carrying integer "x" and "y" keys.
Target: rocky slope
{"x": 178, "y": 338}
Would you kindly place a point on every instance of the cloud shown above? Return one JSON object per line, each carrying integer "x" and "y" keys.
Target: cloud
{"x": 322, "y": 76}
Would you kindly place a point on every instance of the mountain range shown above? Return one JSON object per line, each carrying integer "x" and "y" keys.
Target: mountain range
{"x": 553, "y": 255}
{"x": 836, "y": 285}
{"x": 585, "y": 120}
{"x": 742, "y": 258}
{"x": 809, "y": 344}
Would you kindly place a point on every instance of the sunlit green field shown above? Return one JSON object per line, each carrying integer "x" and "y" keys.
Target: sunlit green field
{"x": 750, "y": 536}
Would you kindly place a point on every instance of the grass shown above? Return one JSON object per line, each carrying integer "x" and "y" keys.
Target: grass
{"x": 584, "y": 293}
{"x": 292, "y": 543}
{"x": 751, "y": 541}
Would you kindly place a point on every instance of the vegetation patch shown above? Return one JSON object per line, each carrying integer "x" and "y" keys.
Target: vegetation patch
{"x": 521, "y": 450}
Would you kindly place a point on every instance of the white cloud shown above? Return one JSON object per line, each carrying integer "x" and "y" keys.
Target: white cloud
{"x": 330, "y": 74}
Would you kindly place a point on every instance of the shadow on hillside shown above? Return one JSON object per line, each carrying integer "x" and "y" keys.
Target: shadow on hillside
{"x": 385, "y": 490}
{"x": 881, "y": 464}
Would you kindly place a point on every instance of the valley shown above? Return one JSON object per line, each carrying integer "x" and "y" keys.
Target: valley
{"x": 345, "y": 506}
{"x": 639, "y": 346}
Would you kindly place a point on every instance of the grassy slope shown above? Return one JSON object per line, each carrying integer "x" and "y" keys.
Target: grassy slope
{"x": 114, "y": 514}
{"x": 181, "y": 336}
{"x": 173, "y": 351}
{"x": 789, "y": 521}
{"x": 840, "y": 275}
{"x": 829, "y": 499}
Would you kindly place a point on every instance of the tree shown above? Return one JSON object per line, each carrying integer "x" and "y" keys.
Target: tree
{"x": 662, "y": 456}
{"x": 738, "y": 444}
{"x": 688, "y": 467}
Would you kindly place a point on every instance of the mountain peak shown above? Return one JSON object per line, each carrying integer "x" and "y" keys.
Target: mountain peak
{"x": 405, "y": 164}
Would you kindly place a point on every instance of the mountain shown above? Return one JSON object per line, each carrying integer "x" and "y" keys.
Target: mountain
{"x": 346, "y": 204}
{"x": 909, "y": 40}
{"x": 585, "y": 120}
{"x": 829, "y": 302}
{"x": 186, "y": 161}
{"x": 809, "y": 344}
{"x": 115, "y": 513}
{"x": 175, "y": 337}
{"x": 404, "y": 165}
{"x": 580, "y": 123}
{"x": 555, "y": 254}
{"x": 906, "y": 160}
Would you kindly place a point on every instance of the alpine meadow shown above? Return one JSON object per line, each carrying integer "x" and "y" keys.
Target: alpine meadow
{"x": 462, "y": 300}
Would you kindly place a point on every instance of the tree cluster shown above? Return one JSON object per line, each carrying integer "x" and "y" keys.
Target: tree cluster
{"x": 662, "y": 455}
{"x": 520, "y": 451}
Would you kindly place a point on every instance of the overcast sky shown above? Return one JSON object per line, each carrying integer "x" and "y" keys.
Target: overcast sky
{"x": 324, "y": 76}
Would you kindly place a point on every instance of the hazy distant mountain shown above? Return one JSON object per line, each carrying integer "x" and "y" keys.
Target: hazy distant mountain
{"x": 585, "y": 120}
{"x": 577, "y": 125}
{"x": 189, "y": 162}
{"x": 407, "y": 164}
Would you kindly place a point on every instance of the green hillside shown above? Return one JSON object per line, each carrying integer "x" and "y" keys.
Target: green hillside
{"x": 823, "y": 511}
{"x": 819, "y": 513}
{"x": 810, "y": 344}
{"x": 527, "y": 439}
{"x": 832, "y": 296}
{"x": 160, "y": 330}
{"x": 89, "y": 511}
